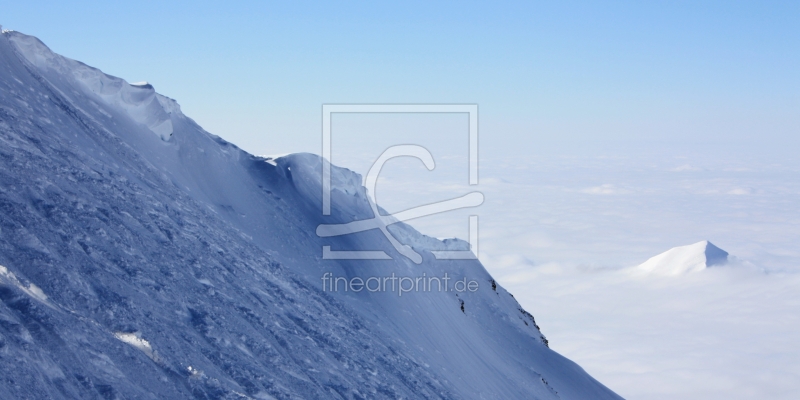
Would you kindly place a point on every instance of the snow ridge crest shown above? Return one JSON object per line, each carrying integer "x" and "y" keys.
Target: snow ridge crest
{"x": 139, "y": 101}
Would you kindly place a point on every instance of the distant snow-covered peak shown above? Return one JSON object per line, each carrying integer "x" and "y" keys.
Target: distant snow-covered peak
{"x": 685, "y": 259}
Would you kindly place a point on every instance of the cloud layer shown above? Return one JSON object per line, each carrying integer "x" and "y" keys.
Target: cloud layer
{"x": 561, "y": 233}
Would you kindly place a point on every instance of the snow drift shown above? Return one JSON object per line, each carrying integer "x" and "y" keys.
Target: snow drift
{"x": 146, "y": 258}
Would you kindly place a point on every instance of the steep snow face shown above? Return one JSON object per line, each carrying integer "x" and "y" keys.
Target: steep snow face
{"x": 140, "y": 267}
{"x": 140, "y": 101}
{"x": 685, "y": 259}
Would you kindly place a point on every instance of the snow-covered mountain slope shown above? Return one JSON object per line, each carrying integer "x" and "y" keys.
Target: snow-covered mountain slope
{"x": 143, "y": 257}
{"x": 685, "y": 259}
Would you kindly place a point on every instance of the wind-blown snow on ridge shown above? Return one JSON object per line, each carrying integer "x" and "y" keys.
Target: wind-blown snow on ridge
{"x": 352, "y": 199}
{"x": 139, "y": 101}
{"x": 207, "y": 254}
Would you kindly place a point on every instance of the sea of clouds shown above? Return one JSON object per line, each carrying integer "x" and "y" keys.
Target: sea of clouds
{"x": 561, "y": 230}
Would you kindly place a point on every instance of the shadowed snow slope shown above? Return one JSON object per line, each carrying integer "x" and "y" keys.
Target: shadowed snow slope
{"x": 146, "y": 258}
{"x": 683, "y": 259}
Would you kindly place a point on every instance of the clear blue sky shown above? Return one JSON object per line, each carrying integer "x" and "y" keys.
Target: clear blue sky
{"x": 257, "y": 72}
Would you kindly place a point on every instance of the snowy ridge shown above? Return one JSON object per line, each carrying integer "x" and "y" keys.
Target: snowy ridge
{"x": 348, "y": 195}
{"x": 188, "y": 268}
{"x": 140, "y": 102}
